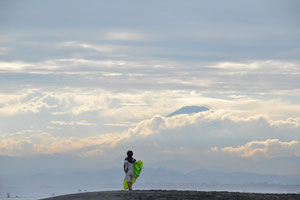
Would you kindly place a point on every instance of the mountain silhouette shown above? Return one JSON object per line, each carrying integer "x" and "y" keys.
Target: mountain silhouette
{"x": 188, "y": 110}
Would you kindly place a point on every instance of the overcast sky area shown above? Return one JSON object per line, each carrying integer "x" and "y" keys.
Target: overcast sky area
{"x": 92, "y": 79}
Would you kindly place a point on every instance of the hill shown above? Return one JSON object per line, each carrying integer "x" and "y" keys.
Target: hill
{"x": 173, "y": 194}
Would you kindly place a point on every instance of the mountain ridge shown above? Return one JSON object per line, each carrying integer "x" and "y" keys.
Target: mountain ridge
{"x": 188, "y": 110}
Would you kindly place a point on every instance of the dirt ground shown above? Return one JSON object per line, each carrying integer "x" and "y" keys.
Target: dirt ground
{"x": 173, "y": 195}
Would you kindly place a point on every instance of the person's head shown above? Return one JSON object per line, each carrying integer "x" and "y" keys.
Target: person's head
{"x": 129, "y": 154}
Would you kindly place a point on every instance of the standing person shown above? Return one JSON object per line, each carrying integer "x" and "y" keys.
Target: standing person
{"x": 129, "y": 168}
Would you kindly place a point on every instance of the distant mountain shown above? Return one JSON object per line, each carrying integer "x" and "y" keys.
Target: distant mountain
{"x": 180, "y": 165}
{"x": 51, "y": 174}
{"x": 115, "y": 176}
{"x": 188, "y": 110}
{"x": 65, "y": 171}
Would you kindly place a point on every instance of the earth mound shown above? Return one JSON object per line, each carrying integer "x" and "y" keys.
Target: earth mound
{"x": 174, "y": 195}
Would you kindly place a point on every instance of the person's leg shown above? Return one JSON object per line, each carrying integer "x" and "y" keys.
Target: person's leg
{"x": 129, "y": 185}
{"x": 130, "y": 181}
{"x": 128, "y": 177}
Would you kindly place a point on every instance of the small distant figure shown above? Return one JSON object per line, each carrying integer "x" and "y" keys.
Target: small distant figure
{"x": 129, "y": 168}
{"x": 8, "y": 195}
{"x": 79, "y": 190}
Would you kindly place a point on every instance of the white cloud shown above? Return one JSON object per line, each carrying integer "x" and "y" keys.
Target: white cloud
{"x": 124, "y": 36}
{"x": 71, "y": 66}
{"x": 264, "y": 149}
{"x": 258, "y": 67}
{"x": 138, "y": 75}
{"x": 53, "y": 128}
{"x": 139, "y": 106}
{"x": 194, "y": 133}
{"x": 23, "y": 103}
{"x": 141, "y": 73}
{"x": 123, "y": 106}
{"x": 81, "y": 103}
{"x": 5, "y": 98}
{"x": 29, "y": 142}
{"x": 120, "y": 124}
{"x": 59, "y": 113}
{"x": 72, "y": 44}
{"x": 14, "y": 66}
{"x": 290, "y": 121}
{"x": 72, "y": 123}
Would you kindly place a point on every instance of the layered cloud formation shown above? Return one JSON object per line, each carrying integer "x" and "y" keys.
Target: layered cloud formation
{"x": 99, "y": 78}
{"x": 269, "y": 148}
{"x": 188, "y": 135}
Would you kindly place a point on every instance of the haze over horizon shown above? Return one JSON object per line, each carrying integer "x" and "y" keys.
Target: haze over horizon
{"x": 89, "y": 80}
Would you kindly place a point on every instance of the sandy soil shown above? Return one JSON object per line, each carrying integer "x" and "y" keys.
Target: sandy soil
{"x": 173, "y": 195}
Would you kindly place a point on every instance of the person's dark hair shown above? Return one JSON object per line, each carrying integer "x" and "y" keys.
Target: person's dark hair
{"x": 129, "y": 154}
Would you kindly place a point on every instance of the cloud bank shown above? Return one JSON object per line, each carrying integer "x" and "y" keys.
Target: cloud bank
{"x": 101, "y": 81}
{"x": 269, "y": 148}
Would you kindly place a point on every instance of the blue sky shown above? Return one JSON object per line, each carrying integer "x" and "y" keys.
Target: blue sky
{"x": 93, "y": 79}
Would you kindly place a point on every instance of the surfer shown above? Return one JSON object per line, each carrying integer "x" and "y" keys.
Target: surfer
{"x": 129, "y": 168}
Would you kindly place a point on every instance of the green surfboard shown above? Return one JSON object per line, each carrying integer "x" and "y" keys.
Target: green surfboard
{"x": 137, "y": 170}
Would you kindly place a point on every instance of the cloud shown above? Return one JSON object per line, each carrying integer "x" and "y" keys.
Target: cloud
{"x": 3, "y": 51}
{"x": 18, "y": 143}
{"x": 64, "y": 101}
{"x": 136, "y": 106}
{"x": 72, "y": 44}
{"x": 53, "y": 128}
{"x": 72, "y": 123}
{"x": 197, "y": 133}
{"x": 60, "y": 66}
{"x": 270, "y": 66}
{"x": 138, "y": 67}
{"x": 24, "y": 103}
{"x": 30, "y": 142}
{"x": 14, "y": 66}
{"x": 290, "y": 121}
{"x": 120, "y": 124}
{"x": 20, "y": 147}
{"x": 34, "y": 101}
{"x": 264, "y": 149}
{"x": 88, "y": 103}
{"x": 134, "y": 72}
{"x": 91, "y": 153}
{"x": 194, "y": 133}
{"x": 124, "y": 36}
{"x": 120, "y": 74}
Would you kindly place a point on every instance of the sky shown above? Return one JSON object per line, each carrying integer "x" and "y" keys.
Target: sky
{"x": 93, "y": 79}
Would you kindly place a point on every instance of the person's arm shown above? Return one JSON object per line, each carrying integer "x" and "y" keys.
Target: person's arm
{"x": 125, "y": 167}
